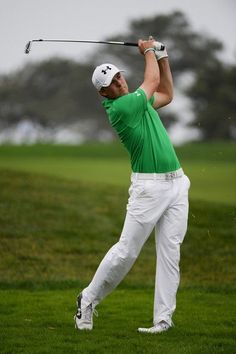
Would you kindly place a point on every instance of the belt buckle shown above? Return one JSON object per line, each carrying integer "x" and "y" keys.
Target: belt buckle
{"x": 171, "y": 175}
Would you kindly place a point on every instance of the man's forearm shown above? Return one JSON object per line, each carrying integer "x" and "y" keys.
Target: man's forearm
{"x": 152, "y": 70}
{"x": 166, "y": 80}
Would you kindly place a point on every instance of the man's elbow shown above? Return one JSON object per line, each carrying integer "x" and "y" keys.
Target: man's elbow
{"x": 169, "y": 98}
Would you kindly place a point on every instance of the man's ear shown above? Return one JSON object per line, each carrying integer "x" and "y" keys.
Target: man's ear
{"x": 103, "y": 92}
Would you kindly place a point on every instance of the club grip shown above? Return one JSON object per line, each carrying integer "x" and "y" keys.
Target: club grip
{"x": 158, "y": 45}
{"x": 131, "y": 44}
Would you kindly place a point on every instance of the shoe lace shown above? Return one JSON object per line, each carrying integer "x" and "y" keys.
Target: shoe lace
{"x": 164, "y": 324}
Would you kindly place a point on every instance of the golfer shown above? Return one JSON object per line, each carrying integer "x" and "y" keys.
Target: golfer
{"x": 158, "y": 195}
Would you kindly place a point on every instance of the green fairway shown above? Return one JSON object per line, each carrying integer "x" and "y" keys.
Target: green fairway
{"x": 211, "y": 167}
{"x": 56, "y": 224}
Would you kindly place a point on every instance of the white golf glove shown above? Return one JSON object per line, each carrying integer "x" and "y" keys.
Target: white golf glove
{"x": 160, "y": 54}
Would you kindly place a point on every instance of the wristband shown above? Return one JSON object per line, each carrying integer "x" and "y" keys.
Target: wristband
{"x": 148, "y": 50}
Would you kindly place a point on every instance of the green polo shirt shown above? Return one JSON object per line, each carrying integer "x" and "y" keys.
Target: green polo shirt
{"x": 141, "y": 131}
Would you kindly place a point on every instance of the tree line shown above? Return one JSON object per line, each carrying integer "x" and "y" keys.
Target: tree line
{"x": 59, "y": 91}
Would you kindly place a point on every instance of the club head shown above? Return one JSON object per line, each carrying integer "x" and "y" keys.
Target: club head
{"x": 28, "y": 47}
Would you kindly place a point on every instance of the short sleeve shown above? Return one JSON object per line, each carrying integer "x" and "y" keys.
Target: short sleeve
{"x": 130, "y": 108}
{"x": 151, "y": 101}
{"x": 131, "y": 103}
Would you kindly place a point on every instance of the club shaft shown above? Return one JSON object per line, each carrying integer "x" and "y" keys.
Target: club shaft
{"x": 86, "y": 41}
{"x": 130, "y": 44}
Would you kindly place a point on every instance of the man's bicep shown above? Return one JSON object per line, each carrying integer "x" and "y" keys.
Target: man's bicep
{"x": 160, "y": 100}
{"x": 147, "y": 90}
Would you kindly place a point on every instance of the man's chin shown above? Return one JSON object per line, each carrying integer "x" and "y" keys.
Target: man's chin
{"x": 124, "y": 92}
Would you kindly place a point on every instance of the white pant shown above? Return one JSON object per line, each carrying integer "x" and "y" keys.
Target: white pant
{"x": 162, "y": 204}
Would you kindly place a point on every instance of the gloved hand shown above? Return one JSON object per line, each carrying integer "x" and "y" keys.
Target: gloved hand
{"x": 160, "y": 54}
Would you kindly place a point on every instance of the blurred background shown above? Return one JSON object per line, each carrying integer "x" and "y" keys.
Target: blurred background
{"x": 47, "y": 96}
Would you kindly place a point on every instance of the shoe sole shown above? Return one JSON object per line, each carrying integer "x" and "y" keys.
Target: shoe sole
{"x": 146, "y": 330}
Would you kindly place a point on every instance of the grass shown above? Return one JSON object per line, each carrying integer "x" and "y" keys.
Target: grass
{"x": 50, "y": 227}
{"x": 211, "y": 167}
{"x": 55, "y": 231}
{"x": 47, "y": 327}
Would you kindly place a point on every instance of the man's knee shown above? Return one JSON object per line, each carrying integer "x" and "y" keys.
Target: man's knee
{"x": 125, "y": 252}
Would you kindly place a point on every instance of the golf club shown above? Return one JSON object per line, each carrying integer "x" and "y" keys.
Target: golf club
{"x": 158, "y": 45}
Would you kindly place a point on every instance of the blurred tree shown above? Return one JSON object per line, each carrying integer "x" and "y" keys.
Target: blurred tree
{"x": 59, "y": 91}
{"x": 186, "y": 47}
{"x": 214, "y": 101}
{"x": 190, "y": 53}
{"x": 52, "y": 92}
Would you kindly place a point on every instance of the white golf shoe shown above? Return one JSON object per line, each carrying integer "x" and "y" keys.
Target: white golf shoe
{"x": 84, "y": 315}
{"x": 158, "y": 328}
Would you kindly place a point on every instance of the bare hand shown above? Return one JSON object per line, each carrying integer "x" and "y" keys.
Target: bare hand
{"x": 145, "y": 44}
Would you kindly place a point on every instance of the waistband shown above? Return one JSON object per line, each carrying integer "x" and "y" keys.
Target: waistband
{"x": 158, "y": 176}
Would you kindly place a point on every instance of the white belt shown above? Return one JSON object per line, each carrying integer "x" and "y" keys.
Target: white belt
{"x": 158, "y": 176}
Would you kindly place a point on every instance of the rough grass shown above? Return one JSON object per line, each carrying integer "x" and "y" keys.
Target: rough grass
{"x": 51, "y": 228}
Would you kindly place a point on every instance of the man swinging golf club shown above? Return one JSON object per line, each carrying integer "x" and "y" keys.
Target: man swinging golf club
{"x": 158, "y": 195}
